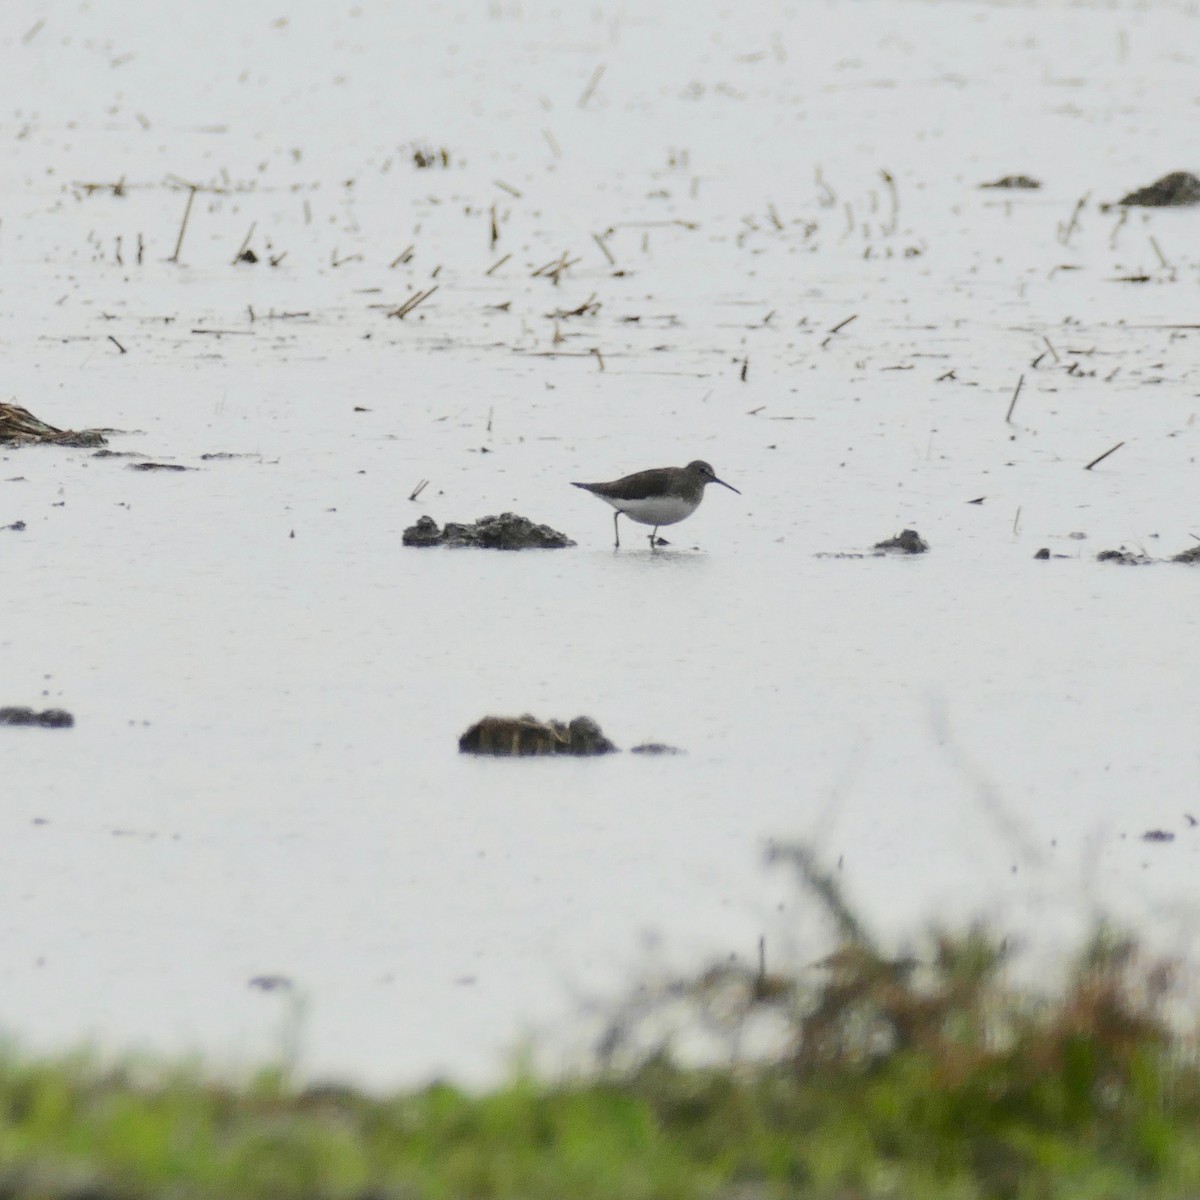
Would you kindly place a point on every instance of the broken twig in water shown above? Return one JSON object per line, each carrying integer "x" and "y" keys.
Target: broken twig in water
{"x": 1103, "y": 456}
{"x": 828, "y": 198}
{"x": 554, "y": 265}
{"x": 237, "y": 258}
{"x": 604, "y": 249}
{"x": 402, "y": 310}
{"x": 187, "y": 212}
{"x": 593, "y": 83}
{"x": 117, "y": 344}
{"x": 404, "y": 256}
{"x": 1065, "y": 231}
{"x": 1013, "y": 402}
{"x": 599, "y": 357}
{"x": 588, "y": 308}
{"x": 419, "y": 489}
{"x": 554, "y": 270}
{"x": 838, "y": 328}
{"x": 498, "y": 264}
{"x": 894, "y": 196}
{"x": 652, "y": 224}
{"x": 1112, "y": 237}
{"x": 89, "y": 189}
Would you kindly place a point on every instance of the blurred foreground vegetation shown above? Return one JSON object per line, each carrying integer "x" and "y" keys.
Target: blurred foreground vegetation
{"x": 927, "y": 1077}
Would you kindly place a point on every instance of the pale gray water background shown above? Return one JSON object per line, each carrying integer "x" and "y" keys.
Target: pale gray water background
{"x": 263, "y": 778}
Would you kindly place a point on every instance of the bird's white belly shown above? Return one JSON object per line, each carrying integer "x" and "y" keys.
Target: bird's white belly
{"x": 658, "y": 510}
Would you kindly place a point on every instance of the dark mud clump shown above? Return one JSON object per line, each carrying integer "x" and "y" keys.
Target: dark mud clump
{"x": 50, "y": 718}
{"x": 1015, "y": 182}
{"x": 655, "y": 748}
{"x": 424, "y": 533}
{"x": 1128, "y": 558}
{"x": 907, "y": 542}
{"x": 157, "y": 466}
{"x": 19, "y": 427}
{"x": 1139, "y": 558}
{"x": 508, "y": 531}
{"x": 518, "y": 736}
{"x": 1174, "y": 190}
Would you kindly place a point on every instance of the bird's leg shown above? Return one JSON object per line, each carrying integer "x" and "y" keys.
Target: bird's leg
{"x": 616, "y": 530}
{"x": 654, "y": 537}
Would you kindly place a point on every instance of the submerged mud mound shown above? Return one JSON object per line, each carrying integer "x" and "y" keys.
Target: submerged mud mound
{"x": 50, "y": 718}
{"x": 909, "y": 541}
{"x": 514, "y": 736}
{"x": 1015, "y": 182}
{"x": 508, "y": 531}
{"x": 1139, "y": 558}
{"x": 1124, "y": 556}
{"x": 19, "y": 427}
{"x": 1173, "y": 190}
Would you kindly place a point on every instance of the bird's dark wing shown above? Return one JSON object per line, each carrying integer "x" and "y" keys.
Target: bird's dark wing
{"x": 638, "y": 486}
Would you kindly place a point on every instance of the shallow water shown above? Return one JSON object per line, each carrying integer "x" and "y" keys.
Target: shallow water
{"x": 269, "y": 688}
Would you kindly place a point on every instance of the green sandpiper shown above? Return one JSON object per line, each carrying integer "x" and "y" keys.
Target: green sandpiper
{"x": 661, "y": 496}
